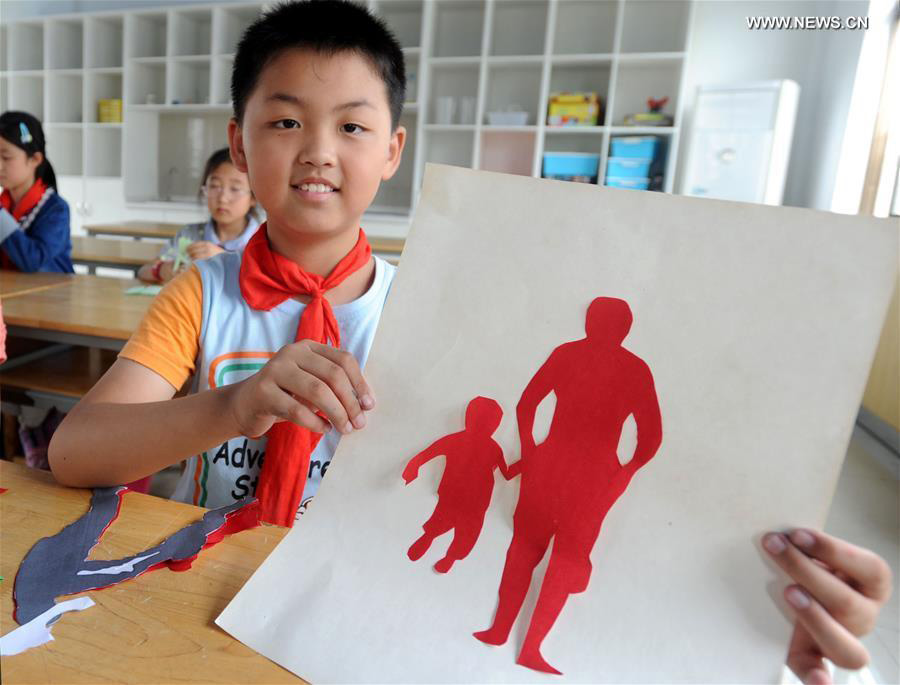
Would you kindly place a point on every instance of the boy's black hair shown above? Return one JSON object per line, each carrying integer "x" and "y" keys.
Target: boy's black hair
{"x": 24, "y": 130}
{"x": 326, "y": 27}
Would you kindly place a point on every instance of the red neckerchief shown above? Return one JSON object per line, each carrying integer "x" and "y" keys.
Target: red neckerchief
{"x": 267, "y": 279}
{"x": 28, "y": 202}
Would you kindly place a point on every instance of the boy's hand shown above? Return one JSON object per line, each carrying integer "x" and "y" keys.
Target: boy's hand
{"x": 838, "y": 593}
{"x": 301, "y": 379}
{"x": 202, "y": 249}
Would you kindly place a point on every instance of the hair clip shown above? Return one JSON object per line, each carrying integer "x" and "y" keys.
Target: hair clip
{"x": 24, "y": 133}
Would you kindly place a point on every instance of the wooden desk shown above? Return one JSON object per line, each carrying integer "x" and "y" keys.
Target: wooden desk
{"x": 91, "y": 311}
{"x": 69, "y": 373}
{"x": 135, "y": 229}
{"x": 119, "y": 254}
{"x": 157, "y": 628}
{"x": 14, "y": 283}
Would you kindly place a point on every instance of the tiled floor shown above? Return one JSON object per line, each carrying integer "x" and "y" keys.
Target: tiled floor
{"x": 866, "y": 512}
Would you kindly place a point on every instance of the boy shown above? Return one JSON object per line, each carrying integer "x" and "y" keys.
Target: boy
{"x": 318, "y": 89}
{"x": 464, "y": 494}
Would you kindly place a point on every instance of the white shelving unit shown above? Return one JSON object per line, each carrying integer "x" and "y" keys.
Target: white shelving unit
{"x": 172, "y": 68}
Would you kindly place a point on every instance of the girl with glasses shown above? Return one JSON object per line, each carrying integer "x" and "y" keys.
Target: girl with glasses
{"x": 232, "y": 221}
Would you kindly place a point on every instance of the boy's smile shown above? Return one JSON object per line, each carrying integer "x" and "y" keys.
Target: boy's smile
{"x": 316, "y": 140}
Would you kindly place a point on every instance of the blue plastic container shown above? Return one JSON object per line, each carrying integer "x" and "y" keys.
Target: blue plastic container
{"x": 570, "y": 164}
{"x": 630, "y": 183}
{"x": 642, "y": 147}
{"x": 628, "y": 167}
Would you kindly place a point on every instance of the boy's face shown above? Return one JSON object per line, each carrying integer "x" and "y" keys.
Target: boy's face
{"x": 316, "y": 141}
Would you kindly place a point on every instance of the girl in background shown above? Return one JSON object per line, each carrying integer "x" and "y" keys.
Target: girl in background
{"x": 231, "y": 223}
{"x": 34, "y": 219}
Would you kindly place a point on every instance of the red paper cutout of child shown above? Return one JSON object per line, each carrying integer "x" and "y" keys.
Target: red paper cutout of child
{"x": 570, "y": 481}
{"x": 465, "y": 490}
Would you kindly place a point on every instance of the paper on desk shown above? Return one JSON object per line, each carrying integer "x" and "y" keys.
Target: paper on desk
{"x": 144, "y": 290}
{"x": 37, "y": 631}
{"x": 759, "y": 326}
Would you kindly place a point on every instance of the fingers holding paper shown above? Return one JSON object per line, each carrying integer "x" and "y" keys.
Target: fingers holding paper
{"x": 310, "y": 384}
{"x": 838, "y": 592}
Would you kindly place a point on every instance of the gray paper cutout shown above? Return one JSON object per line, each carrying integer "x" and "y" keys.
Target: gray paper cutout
{"x": 51, "y": 567}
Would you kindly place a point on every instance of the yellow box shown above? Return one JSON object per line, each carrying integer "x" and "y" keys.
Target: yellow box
{"x": 574, "y": 109}
{"x": 109, "y": 110}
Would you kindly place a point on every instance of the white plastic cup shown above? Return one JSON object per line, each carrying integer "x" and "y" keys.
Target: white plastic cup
{"x": 445, "y": 109}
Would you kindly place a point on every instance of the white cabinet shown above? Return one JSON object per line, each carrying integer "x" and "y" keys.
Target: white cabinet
{"x": 741, "y": 141}
{"x": 465, "y": 59}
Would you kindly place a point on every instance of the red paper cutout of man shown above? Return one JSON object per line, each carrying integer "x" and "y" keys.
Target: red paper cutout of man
{"x": 570, "y": 481}
{"x": 465, "y": 490}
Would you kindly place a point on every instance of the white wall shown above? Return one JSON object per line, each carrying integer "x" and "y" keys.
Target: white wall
{"x": 724, "y": 50}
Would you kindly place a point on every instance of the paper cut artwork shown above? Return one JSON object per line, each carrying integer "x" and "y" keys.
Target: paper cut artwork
{"x": 58, "y": 565}
{"x": 467, "y": 484}
{"x": 570, "y": 481}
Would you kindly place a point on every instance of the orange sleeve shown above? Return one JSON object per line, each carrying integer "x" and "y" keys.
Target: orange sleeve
{"x": 168, "y": 338}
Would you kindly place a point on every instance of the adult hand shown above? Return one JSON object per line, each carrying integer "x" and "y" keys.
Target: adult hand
{"x": 838, "y": 591}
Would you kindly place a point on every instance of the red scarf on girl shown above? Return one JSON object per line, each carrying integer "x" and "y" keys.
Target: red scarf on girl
{"x": 28, "y": 202}
{"x": 267, "y": 279}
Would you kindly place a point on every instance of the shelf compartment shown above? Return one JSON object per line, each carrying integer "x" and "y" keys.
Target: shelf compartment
{"x": 147, "y": 84}
{"x": 104, "y": 42}
{"x": 64, "y": 149}
{"x": 413, "y": 70}
{"x": 190, "y": 82}
{"x": 637, "y": 82}
{"x": 514, "y": 87}
{"x": 179, "y": 170}
{"x": 27, "y": 93}
{"x": 26, "y": 47}
{"x": 104, "y": 151}
{"x": 221, "y": 80}
{"x": 192, "y": 31}
{"x": 457, "y": 82}
{"x": 655, "y": 25}
{"x": 450, "y": 147}
{"x": 64, "y": 98}
{"x": 557, "y": 141}
{"x": 585, "y": 27}
{"x": 4, "y": 49}
{"x": 591, "y": 77}
{"x": 100, "y": 86}
{"x": 147, "y": 35}
{"x": 65, "y": 44}
{"x": 508, "y": 152}
{"x": 395, "y": 195}
{"x": 459, "y": 25}
{"x": 4, "y": 93}
{"x": 404, "y": 18}
{"x": 235, "y": 20}
{"x": 519, "y": 27}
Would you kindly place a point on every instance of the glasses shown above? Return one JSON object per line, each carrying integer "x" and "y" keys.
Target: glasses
{"x": 216, "y": 190}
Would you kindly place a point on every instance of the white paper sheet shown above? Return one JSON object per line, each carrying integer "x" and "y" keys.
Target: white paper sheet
{"x": 37, "y": 631}
{"x": 759, "y": 325}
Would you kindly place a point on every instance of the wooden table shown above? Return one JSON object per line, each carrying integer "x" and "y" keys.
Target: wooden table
{"x": 15, "y": 283}
{"x": 91, "y": 310}
{"x": 119, "y": 254}
{"x": 135, "y": 229}
{"x": 157, "y": 628}
{"x": 67, "y": 373}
